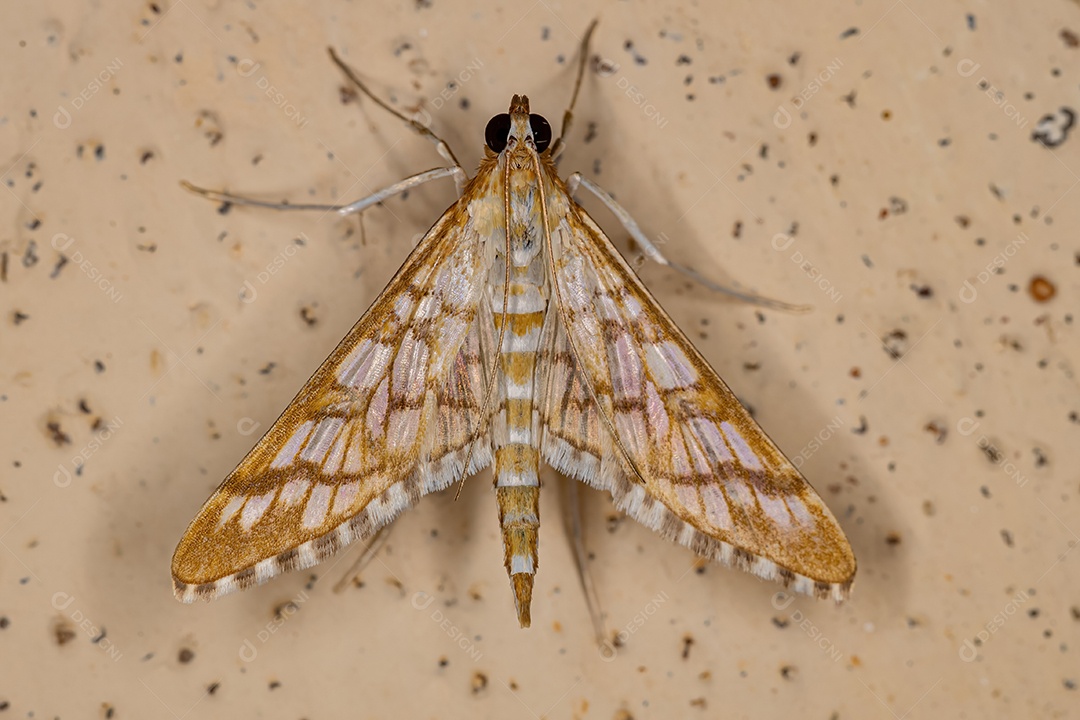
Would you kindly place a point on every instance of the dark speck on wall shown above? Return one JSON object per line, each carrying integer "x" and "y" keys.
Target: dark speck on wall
{"x": 1054, "y": 128}
{"x": 590, "y": 131}
{"x": 1041, "y": 289}
{"x": 638, "y": 57}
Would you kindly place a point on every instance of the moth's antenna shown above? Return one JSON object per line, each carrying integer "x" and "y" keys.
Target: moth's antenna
{"x": 440, "y": 144}
{"x": 568, "y": 116}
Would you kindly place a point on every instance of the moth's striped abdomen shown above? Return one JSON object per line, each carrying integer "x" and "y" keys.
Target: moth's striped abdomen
{"x": 515, "y": 436}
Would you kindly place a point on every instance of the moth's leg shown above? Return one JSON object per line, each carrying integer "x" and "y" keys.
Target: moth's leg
{"x": 575, "y": 528}
{"x": 568, "y": 116}
{"x": 402, "y": 186}
{"x": 398, "y": 187}
{"x": 651, "y": 251}
{"x": 440, "y": 145}
{"x": 573, "y": 183}
{"x": 374, "y": 545}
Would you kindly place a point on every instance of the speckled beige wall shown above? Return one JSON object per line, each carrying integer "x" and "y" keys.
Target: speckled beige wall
{"x": 908, "y": 168}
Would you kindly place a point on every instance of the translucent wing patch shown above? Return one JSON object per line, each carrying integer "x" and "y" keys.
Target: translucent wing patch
{"x": 390, "y": 416}
{"x": 631, "y": 407}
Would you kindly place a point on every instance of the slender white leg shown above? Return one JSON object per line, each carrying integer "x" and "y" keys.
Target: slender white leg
{"x": 363, "y": 203}
{"x": 575, "y": 528}
{"x": 401, "y": 186}
{"x": 655, "y": 255}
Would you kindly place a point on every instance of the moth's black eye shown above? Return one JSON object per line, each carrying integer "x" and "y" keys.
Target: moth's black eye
{"x": 497, "y": 132}
{"x": 541, "y": 132}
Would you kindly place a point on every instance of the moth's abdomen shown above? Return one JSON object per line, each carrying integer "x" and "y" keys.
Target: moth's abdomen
{"x": 515, "y": 439}
{"x": 519, "y": 518}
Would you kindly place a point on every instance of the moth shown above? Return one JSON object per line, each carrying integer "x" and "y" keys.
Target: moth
{"x": 514, "y": 334}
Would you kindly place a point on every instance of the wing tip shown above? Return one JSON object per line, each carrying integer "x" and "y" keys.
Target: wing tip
{"x": 189, "y": 593}
{"x": 303, "y": 556}
{"x": 634, "y": 501}
{"x": 761, "y": 567}
{"x": 838, "y": 592}
{"x": 183, "y": 592}
{"x": 190, "y": 568}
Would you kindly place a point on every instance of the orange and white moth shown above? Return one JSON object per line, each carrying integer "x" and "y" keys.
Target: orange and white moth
{"x": 514, "y": 334}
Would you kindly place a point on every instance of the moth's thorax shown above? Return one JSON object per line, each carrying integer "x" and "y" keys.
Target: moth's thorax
{"x": 520, "y": 189}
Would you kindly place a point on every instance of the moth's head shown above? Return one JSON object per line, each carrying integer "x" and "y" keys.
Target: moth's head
{"x": 518, "y": 129}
